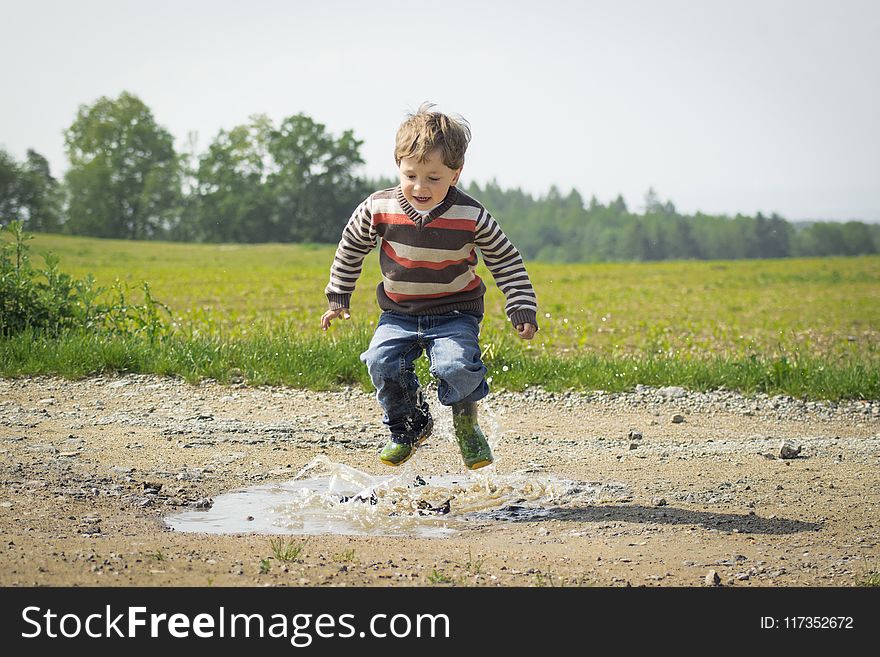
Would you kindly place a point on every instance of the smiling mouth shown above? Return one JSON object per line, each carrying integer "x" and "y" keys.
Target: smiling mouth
{"x": 421, "y": 199}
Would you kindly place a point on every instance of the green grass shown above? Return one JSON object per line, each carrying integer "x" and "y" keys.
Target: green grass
{"x": 437, "y": 577}
{"x": 328, "y": 364}
{"x": 345, "y": 557}
{"x": 551, "y": 580}
{"x": 473, "y": 565}
{"x": 805, "y": 327}
{"x": 870, "y": 579}
{"x": 286, "y": 549}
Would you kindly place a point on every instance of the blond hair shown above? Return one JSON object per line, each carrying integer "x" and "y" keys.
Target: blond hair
{"x": 425, "y": 131}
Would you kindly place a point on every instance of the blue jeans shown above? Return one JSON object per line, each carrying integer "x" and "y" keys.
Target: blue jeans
{"x": 452, "y": 343}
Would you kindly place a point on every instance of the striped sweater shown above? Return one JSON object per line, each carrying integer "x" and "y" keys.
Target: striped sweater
{"x": 428, "y": 262}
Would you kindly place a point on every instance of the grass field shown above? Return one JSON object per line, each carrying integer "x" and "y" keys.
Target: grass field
{"x": 773, "y": 325}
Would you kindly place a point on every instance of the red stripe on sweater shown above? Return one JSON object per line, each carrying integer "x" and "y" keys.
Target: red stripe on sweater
{"x": 405, "y": 297}
{"x": 427, "y": 264}
{"x": 388, "y": 218}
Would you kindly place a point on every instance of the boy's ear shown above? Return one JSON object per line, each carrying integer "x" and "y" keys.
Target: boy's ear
{"x": 456, "y": 176}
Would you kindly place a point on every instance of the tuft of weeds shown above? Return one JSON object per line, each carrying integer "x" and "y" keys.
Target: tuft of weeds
{"x": 265, "y": 566}
{"x": 549, "y": 579}
{"x": 436, "y": 577}
{"x": 870, "y": 579}
{"x": 869, "y": 576}
{"x": 345, "y": 557}
{"x": 473, "y": 565}
{"x": 50, "y": 302}
{"x": 542, "y": 580}
{"x": 583, "y": 580}
{"x": 287, "y": 549}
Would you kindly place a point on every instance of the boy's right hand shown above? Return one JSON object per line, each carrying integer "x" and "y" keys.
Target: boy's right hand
{"x": 330, "y": 315}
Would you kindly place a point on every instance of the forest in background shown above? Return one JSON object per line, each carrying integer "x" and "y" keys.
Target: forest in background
{"x": 295, "y": 182}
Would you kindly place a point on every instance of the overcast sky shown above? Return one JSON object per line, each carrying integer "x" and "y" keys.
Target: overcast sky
{"x": 724, "y": 107}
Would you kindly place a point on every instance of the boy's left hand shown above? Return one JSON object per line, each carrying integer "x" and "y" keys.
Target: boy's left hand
{"x": 526, "y": 331}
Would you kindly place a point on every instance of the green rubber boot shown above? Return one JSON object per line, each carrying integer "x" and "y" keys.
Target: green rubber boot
{"x": 399, "y": 449}
{"x": 395, "y": 452}
{"x": 471, "y": 441}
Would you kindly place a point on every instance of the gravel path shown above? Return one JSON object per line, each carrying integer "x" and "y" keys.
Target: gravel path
{"x": 683, "y": 484}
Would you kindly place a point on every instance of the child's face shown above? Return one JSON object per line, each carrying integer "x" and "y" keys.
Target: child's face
{"x": 425, "y": 184}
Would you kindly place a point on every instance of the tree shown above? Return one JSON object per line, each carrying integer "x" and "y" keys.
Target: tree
{"x": 618, "y": 205}
{"x": 653, "y": 204}
{"x": 857, "y": 238}
{"x": 124, "y": 176}
{"x": 29, "y": 193}
{"x": 259, "y": 183}
{"x": 10, "y": 192}
{"x": 234, "y": 203}
{"x": 42, "y": 194}
{"x": 821, "y": 239}
{"x": 634, "y": 243}
{"x": 313, "y": 181}
{"x": 770, "y": 237}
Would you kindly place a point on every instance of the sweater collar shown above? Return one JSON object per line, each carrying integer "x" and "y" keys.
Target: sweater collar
{"x": 420, "y": 219}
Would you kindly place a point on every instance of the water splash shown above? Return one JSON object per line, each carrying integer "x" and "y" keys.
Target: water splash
{"x": 339, "y": 499}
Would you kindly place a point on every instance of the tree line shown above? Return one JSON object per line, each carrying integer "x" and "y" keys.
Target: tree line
{"x": 295, "y": 182}
{"x": 565, "y": 228}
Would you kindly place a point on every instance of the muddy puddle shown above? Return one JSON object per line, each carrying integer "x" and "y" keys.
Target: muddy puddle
{"x": 326, "y": 497}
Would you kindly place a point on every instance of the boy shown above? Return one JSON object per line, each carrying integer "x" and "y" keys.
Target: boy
{"x": 430, "y": 294}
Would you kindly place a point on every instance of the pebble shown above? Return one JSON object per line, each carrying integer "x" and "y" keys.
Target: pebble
{"x": 674, "y": 392}
{"x": 50, "y": 449}
{"x": 712, "y": 579}
{"x": 678, "y": 418}
{"x": 788, "y": 449}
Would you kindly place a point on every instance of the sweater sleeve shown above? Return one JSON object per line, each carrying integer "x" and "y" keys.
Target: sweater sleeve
{"x": 507, "y": 268}
{"x": 358, "y": 239}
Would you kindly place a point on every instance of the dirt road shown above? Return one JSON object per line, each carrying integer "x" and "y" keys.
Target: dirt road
{"x": 91, "y": 469}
